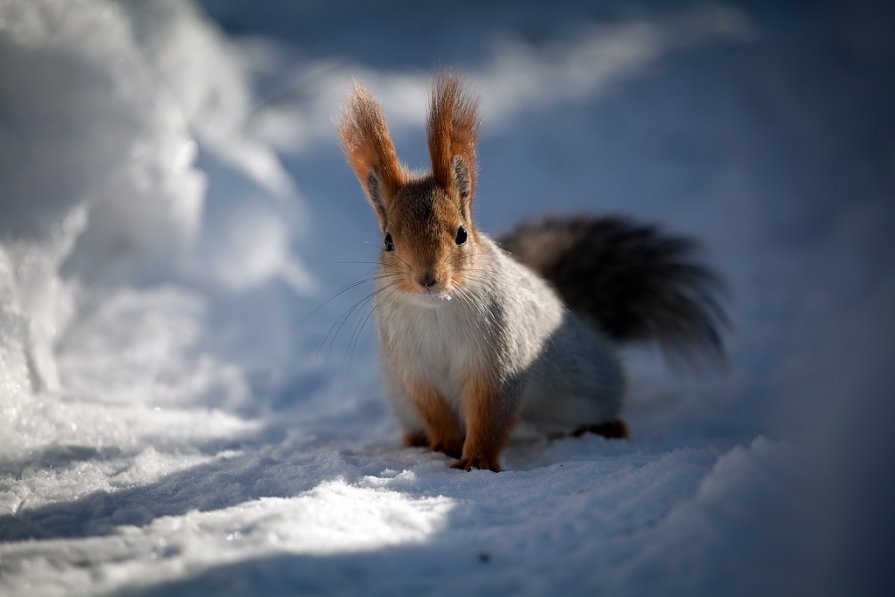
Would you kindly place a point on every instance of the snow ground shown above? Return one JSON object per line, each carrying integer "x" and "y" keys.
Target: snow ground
{"x": 176, "y": 417}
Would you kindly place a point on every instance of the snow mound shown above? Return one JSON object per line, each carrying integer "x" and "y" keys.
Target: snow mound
{"x": 112, "y": 129}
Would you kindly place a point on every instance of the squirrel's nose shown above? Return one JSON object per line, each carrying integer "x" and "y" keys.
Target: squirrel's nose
{"x": 427, "y": 280}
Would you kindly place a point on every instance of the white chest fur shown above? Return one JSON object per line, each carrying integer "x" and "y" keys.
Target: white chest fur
{"x": 438, "y": 344}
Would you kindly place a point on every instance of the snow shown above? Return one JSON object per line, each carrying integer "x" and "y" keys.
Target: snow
{"x": 177, "y": 415}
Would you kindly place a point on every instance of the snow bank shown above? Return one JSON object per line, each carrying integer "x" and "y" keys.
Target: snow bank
{"x": 107, "y": 110}
{"x": 119, "y": 124}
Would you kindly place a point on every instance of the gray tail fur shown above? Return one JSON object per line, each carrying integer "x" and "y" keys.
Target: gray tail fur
{"x": 631, "y": 281}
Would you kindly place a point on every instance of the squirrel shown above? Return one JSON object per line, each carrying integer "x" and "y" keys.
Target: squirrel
{"x": 476, "y": 335}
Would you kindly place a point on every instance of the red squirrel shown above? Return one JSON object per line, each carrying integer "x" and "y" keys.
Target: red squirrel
{"x": 476, "y": 335}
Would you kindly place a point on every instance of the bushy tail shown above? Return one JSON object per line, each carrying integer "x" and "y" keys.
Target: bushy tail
{"x": 630, "y": 281}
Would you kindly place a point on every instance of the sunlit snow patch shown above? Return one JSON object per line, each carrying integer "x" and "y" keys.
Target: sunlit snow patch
{"x": 332, "y": 518}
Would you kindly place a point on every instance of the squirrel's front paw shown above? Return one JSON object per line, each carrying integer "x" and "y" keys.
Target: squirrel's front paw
{"x": 479, "y": 462}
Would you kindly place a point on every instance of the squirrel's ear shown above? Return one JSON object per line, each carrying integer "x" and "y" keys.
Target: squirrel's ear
{"x": 370, "y": 151}
{"x": 374, "y": 194}
{"x": 462, "y": 180}
{"x": 452, "y": 133}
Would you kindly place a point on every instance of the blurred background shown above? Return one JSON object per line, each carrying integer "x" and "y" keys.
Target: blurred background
{"x": 175, "y": 213}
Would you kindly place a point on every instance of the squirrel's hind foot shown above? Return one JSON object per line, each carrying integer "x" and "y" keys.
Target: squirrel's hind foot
{"x": 614, "y": 429}
{"x": 419, "y": 439}
{"x": 416, "y": 439}
{"x": 452, "y": 449}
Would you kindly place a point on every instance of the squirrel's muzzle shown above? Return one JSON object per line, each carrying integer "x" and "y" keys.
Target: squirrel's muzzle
{"x": 427, "y": 280}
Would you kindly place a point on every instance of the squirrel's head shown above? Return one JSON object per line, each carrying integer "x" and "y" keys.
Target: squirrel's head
{"x": 428, "y": 236}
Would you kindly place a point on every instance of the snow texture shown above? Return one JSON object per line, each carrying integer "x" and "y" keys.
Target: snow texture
{"x": 183, "y": 410}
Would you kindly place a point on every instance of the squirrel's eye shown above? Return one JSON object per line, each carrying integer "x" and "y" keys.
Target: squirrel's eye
{"x": 461, "y": 235}
{"x": 389, "y": 245}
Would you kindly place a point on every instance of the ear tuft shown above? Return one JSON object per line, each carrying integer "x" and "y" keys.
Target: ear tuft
{"x": 452, "y": 133}
{"x": 369, "y": 149}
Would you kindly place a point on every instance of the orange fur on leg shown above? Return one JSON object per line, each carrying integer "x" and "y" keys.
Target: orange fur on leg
{"x": 442, "y": 428}
{"x": 488, "y": 424}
